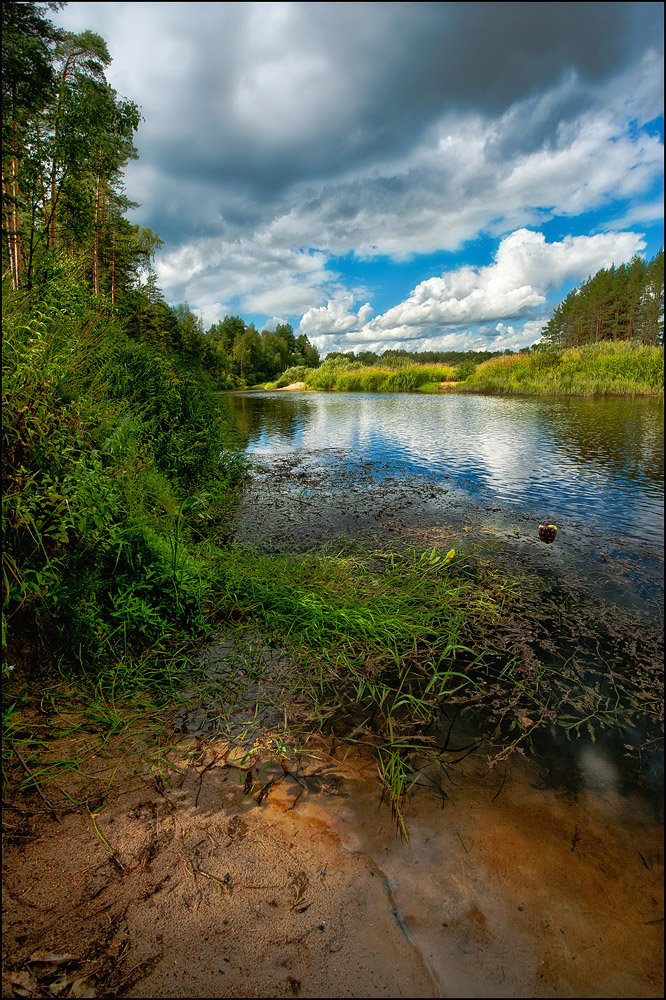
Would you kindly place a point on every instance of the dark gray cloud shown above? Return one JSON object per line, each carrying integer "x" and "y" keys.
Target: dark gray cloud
{"x": 369, "y": 129}
{"x": 258, "y": 97}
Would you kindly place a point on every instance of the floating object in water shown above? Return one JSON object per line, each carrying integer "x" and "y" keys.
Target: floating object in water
{"x": 547, "y": 532}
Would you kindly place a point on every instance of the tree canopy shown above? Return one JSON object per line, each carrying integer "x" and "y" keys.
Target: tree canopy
{"x": 618, "y": 303}
{"x": 67, "y": 137}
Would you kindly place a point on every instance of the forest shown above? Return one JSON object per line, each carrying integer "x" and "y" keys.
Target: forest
{"x": 66, "y": 138}
{"x": 617, "y": 303}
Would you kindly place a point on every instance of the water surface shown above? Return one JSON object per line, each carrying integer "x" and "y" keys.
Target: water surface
{"x": 345, "y": 462}
{"x": 533, "y": 876}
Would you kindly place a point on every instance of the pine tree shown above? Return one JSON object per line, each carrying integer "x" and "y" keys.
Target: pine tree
{"x": 618, "y": 303}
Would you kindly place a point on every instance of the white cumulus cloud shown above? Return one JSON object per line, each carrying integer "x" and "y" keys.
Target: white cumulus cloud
{"x": 515, "y": 286}
{"x": 525, "y": 269}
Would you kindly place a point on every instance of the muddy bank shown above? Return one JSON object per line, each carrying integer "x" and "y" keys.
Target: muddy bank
{"x": 288, "y": 879}
{"x": 195, "y": 871}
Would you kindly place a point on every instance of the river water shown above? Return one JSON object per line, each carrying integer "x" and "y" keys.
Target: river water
{"x": 487, "y": 467}
{"x": 519, "y": 880}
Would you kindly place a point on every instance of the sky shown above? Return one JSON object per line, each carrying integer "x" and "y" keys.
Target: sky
{"x": 421, "y": 176}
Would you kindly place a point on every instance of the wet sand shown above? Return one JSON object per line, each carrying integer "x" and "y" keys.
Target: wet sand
{"x": 219, "y": 882}
{"x": 222, "y": 877}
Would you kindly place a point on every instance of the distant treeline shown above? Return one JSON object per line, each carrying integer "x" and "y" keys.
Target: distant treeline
{"x": 231, "y": 352}
{"x": 618, "y": 303}
{"x": 234, "y": 353}
{"x": 398, "y": 359}
{"x": 252, "y": 356}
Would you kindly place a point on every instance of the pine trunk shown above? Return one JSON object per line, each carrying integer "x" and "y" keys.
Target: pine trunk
{"x": 96, "y": 238}
{"x": 113, "y": 269}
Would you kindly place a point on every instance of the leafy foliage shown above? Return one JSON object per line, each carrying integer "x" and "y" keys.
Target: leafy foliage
{"x": 618, "y": 303}
{"x": 113, "y": 452}
{"x": 66, "y": 137}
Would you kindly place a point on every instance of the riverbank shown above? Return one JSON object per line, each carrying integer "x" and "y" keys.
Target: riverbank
{"x": 292, "y": 387}
{"x": 203, "y": 867}
{"x": 613, "y": 368}
{"x": 391, "y": 635}
{"x": 242, "y": 838}
{"x": 198, "y": 884}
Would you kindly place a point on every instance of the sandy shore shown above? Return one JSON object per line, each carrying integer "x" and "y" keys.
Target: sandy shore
{"x": 206, "y": 880}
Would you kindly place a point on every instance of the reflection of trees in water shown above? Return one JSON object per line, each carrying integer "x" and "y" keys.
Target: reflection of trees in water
{"x": 624, "y": 436}
{"x": 236, "y": 428}
{"x": 621, "y": 439}
{"x": 253, "y": 414}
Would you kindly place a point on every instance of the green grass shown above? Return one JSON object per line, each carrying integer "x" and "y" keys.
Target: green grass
{"x": 429, "y": 388}
{"x": 118, "y": 484}
{"x": 620, "y": 368}
{"x": 376, "y": 378}
{"x": 376, "y": 646}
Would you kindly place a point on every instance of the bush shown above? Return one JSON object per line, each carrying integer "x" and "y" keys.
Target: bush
{"x": 104, "y": 440}
{"x": 291, "y": 375}
{"x": 464, "y": 370}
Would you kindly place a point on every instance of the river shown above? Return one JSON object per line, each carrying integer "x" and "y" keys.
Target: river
{"x": 429, "y": 467}
{"x": 539, "y": 876}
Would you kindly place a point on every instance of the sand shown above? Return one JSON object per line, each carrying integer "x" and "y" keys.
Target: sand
{"x": 215, "y": 881}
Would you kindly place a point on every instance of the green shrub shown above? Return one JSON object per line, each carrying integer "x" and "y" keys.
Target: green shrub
{"x": 464, "y": 370}
{"x": 291, "y": 375}
{"x": 112, "y": 453}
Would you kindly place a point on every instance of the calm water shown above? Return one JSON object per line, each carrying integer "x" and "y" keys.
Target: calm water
{"x": 594, "y": 466}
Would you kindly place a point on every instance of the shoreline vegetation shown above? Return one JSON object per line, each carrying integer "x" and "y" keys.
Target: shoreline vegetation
{"x": 120, "y": 479}
{"x": 122, "y": 473}
{"x": 608, "y": 368}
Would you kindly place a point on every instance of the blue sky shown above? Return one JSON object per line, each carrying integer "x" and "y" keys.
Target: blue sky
{"x": 415, "y": 175}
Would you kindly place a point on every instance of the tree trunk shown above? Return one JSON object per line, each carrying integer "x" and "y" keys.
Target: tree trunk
{"x": 113, "y": 268}
{"x": 11, "y": 224}
{"x": 11, "y": 190}
{"x": 96, "y": 238}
